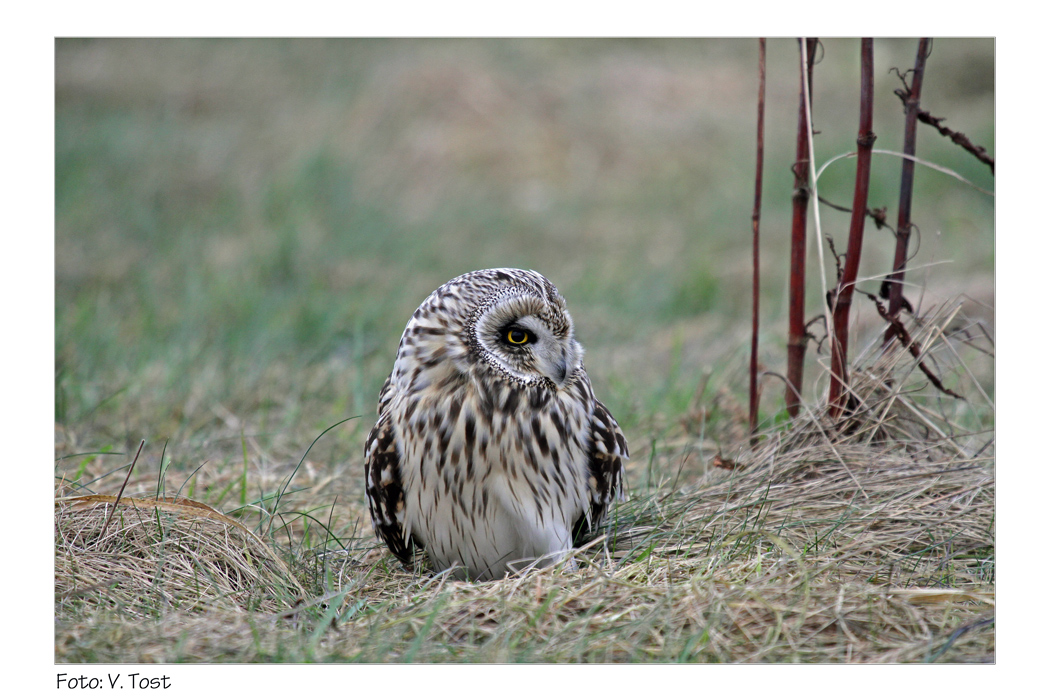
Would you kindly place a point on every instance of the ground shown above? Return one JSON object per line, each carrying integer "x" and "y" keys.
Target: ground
{"x": 244, "y": 227}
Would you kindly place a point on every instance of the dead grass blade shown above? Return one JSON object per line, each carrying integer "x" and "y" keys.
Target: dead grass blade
{"x": 163, "y": 554}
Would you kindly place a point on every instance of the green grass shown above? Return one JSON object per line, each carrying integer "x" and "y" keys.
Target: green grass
{"x": 244, "y": 227}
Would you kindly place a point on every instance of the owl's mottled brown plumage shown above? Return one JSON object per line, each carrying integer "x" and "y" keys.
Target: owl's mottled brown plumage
{"x": 491, "y": 451}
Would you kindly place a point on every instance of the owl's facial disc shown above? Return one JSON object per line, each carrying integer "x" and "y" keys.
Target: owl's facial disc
{"x": 549, "y": 355}
{"x": 523, "y": 344}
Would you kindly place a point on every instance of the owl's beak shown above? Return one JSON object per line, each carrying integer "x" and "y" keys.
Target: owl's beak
{"x": 558, "y": 361}
{"x": 561, "y": 369}
{"x": 558, "y": 367}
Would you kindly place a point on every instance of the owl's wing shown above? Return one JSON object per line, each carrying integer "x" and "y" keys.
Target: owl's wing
{"x": 386, "y": 393}
{"x": 386, "y": 499}
{"x": 605, "y": 467}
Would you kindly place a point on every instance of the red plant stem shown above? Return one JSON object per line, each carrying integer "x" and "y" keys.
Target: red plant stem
{"x": 843, "y": 296}
{"x": 911, "y": 117}
{"x": 796, "y": 344}
{"x": 755, "y": 215}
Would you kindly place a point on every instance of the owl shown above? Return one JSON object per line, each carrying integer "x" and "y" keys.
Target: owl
{"x": 491, "y": 452}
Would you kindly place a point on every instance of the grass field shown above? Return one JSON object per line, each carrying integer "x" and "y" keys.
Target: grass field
{"x": 243, "y": 227}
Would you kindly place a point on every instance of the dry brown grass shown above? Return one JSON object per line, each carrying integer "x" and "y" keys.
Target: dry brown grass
{"x": 871, "y": 541}
{"x": 157, "y": 555}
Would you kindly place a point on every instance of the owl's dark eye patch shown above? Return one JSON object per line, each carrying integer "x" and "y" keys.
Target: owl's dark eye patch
{"x": 516, "y": 335}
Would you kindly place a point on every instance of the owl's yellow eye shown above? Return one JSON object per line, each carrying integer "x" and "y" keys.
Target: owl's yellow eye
{"x": 516, "y": 336}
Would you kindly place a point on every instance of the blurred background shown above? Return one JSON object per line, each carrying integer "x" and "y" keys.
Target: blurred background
{"x": 243, "y": 227}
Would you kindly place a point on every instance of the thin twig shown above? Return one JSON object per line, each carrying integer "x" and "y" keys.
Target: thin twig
{"x": 878, "y": 216}
{"x": 121, "y": 492}
{"x": 755, "y": 216}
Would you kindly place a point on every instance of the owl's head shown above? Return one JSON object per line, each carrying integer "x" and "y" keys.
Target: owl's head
{"x": 501, "y": 323}
{"x": 523, "y": 330}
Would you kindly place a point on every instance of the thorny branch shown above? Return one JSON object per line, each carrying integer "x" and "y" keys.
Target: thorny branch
{"x": 957, "y": 137}
{"x": 906, "y": 341}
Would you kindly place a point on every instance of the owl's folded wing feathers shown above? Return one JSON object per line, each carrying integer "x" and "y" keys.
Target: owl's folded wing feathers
{"x": 386, "y": 499}
{"x": 605, "y": 466}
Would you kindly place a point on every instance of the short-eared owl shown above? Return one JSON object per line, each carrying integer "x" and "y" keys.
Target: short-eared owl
{"x": 491, "y": 452}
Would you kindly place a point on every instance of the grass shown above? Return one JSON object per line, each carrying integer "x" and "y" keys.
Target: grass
{"x": 876, "y": 546}
{"x": 244, "y": 227}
